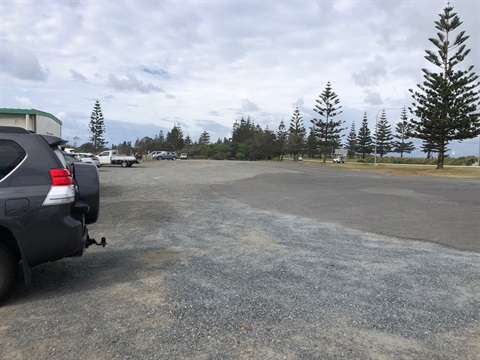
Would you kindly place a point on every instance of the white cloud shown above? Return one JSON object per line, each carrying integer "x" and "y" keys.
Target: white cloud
{"x": 21, "y": 63}
{"x": 373, "y": 98}
{"x": 77, "y": 76}
{"x": 23, "y": 101}
{"x": 152, "y": 62}
{"x": 131, "y": 83}
{"x": 372, "y": 72}
{"x": 248, "y": 105}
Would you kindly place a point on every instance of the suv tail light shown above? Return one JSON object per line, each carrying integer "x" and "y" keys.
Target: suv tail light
{"x": 62, "y": 190}
{"x": 61, "y": 177}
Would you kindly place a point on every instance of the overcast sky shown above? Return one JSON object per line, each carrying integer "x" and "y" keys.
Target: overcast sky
{"x": 205, "y": 64}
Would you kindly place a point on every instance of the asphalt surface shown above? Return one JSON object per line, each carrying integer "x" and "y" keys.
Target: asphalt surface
{"x": 227, "y": 260}
{"x": 442, "y": 210}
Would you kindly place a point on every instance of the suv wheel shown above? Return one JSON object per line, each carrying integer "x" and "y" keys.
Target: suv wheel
{"x": 174, "y": 158}
{"x": 8, "y": 267}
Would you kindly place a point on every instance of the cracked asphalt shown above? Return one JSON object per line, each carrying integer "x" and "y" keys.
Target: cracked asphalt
{"x": 228, "y": 260}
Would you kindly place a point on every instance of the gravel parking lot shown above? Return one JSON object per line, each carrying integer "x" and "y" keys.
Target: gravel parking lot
{"x": 226, "y": 260}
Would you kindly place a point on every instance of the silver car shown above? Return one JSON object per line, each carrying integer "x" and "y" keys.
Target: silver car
{"x": 166, "y": 155}
{"x": 89, "y": 158}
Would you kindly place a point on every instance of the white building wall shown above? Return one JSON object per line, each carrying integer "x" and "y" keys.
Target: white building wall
{"x": 36, "y": 123}
{"x": 13, "y": 120}
{"x": 30, "y": 122}
{"x": 47, "y": 126}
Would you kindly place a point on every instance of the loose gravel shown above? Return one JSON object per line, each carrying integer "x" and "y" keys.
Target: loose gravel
{"x": 190, "y": 273}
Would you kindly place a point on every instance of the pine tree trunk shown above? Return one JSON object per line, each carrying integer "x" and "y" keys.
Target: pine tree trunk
{"x": 326, "y": 138}
{"x": 441, "y": 156}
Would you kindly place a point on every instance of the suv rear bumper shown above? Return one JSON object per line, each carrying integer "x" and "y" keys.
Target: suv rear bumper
{"x": 44, "y": 242}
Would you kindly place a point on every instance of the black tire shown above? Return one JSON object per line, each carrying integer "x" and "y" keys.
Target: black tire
{"x": 123, "y": 163}
{"x": 8, "y": 269}
{"x": 174, "y": 158}
{"x": 88, "y": 184}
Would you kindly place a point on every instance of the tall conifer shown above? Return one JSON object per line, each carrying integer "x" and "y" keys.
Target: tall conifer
{"x": 402, "y": 129}
{"x": 327, "y": 129}
{"x": 364, "y": 138}
{"x": 352, "y": 141}
{"x": 446, "y": 103}
{"x": 296, "y": 134}
{"x": 383, "y": 135}
{"x": 97, "y": 127}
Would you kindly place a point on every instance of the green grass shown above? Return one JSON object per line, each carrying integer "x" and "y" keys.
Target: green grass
{"x": 453, "y": 171}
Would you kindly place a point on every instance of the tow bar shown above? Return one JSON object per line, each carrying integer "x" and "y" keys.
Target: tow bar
{"x": 92, "y": 241}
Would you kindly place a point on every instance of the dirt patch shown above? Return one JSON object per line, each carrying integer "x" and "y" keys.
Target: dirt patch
{"x": 256, "y": 240}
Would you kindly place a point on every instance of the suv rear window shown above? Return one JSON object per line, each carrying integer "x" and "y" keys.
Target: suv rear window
{"x": 11, "y": 154}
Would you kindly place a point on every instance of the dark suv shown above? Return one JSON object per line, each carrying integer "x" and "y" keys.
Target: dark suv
{"x": 45, "y": 203}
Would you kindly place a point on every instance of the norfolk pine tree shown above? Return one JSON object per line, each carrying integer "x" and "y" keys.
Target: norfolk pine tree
{"x": 296, "y": 134}
{"x": 402, "y": 129}
{"x": 352, "y": 141}
{"x": 446, "y": 103}
{"x": 312, "y": 143}
{"x": 327, "y": 130}
{"x": 383, "y": 135}
{"x": 364, "y": 138}
{"x": 97, "y": 127}
{"x": 281, "y": 139}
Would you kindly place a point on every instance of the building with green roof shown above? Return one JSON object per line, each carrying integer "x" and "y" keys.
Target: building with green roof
{"x": 37, "y": 121}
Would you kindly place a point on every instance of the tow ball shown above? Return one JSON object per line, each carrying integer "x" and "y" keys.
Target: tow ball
{"x": 92, "y": 241}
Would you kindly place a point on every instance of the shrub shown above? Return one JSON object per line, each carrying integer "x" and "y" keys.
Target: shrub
{"x": 240, "y": 156}
{"x": 464, "y": 160}
{"x": 219, "y": 156}
{"x": 199, "y": 157}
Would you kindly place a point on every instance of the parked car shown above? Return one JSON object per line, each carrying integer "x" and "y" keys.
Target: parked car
{"x": 166, "y": 155}
{"x": 71, "y": 157}
{"x": 183, "y": 156}
{"x": 46, "y": 203}
{"x": 90, "y": 159}
{"x": 339, "y": 160}
{"x": 154, "y": 153}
